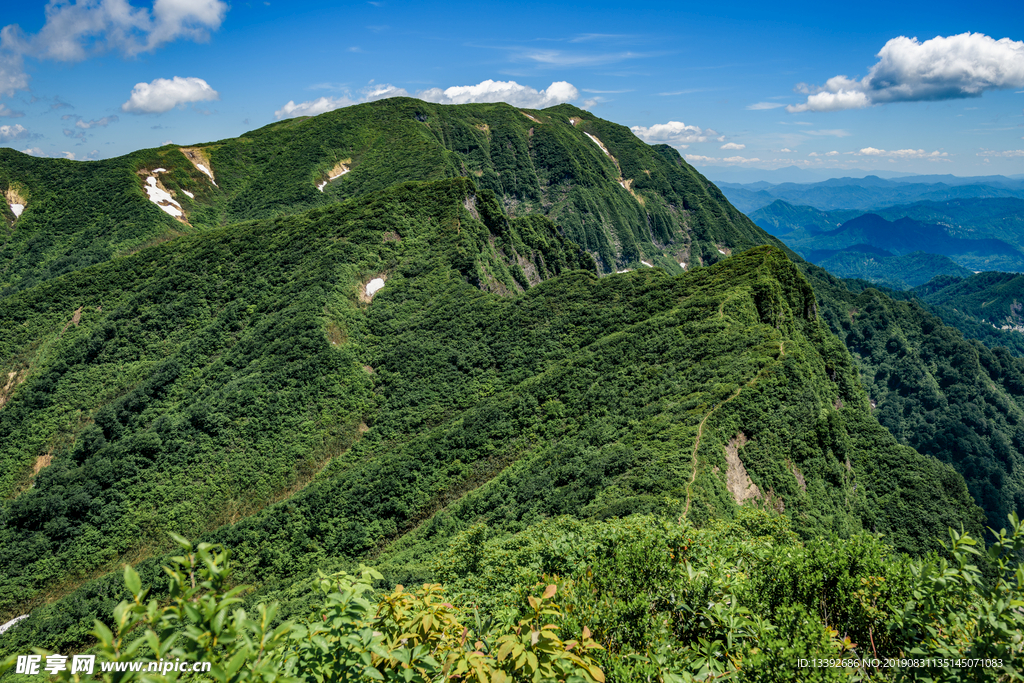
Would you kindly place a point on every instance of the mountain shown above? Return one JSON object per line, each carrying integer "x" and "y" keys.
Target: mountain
{"x": 787, "y": 174}
{"x": 809, "y": 230}
{"x": 622, "y": 200}
{"x": 878, "y": 266}
{"x": 871, "y": 192}
{"x": 425, "y": 364}
{"x": 993, "y": 298}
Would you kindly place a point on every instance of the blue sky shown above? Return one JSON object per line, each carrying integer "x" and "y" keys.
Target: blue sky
{"x": 928, "y": 88}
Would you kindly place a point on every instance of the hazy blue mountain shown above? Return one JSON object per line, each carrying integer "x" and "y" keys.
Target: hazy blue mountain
{"x": 881, "y": 267}
{"x": 869, "y": 193}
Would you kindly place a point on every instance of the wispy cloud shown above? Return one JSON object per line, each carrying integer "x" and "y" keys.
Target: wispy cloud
{"x": 8, "y": 113}
{"x": 1003, "y": 153}
{"x": 733, "y": 145}
{"x": 563, "y": 59}
{"x": 833, "y": 132}
{"x": 903, "y": 154}
{"x": 764, "y": 105}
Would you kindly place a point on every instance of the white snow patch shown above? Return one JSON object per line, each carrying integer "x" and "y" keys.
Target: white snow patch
{"x": 12, "y": 623}
{"x": 647, "y": 264}
{"x": 720, "y": 251}
{"x": 975, "y": 272}
{"x": 321, "y": 186}
{"x": 374, "y": 285}
{"x": 190, "y": 195}
{"x": 528, "y": 116}
{"x": 598, "y": 143}
{"x": 158, "y": 195}
{"x": 207, "y": 171}
{"x": 17, "y": 209}
{"x": 622, "y": 182}
{"x": 622, "y": 271}
{"x": 682, "y": 265}
{"x": 159, "y": 170}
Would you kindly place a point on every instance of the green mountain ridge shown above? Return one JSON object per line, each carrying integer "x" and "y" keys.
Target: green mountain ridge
{"x": 584, "y": 396}
{"x": 620, "y": 199}
{"x": 230, "y": 377}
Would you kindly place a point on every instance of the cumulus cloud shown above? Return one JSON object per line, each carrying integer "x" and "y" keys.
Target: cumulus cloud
{"x": 675, "y": 133}
{"x": 943, "y": 68}
{"x": 15, "y": 132}
{"x": 764, "y": 105}
{"x": 904, "y": 154}
{"x": 487, "y": 91}
{"x": 33, "y": 151}
{"x": 786, "y": 150}
{"x": 312, "y": 107}
{"x": 733, "y": 145}
{"x": 74, "y": 31}
{"x": 503, "y": 91}
{"x": 165, "y": 94}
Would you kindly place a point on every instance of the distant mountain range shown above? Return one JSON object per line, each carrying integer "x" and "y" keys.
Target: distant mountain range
{"x": 870, "y": 193}
{"x": 975, "y": 234}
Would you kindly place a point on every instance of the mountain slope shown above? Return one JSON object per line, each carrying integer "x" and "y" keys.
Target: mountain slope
{"x": 619, "y": 198}
{"x": 880, "y": 267}
{"x": 944, "y": 395}
{"x": 430, "y": 404}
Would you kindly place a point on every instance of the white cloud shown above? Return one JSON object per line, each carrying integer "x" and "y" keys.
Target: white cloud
{"x": 86, "y": 125}
{"x": 5, "y": 112}
{"x": 834, "y": 132}
{"x": 503, "y": 91}
{"x": 12, "y": 72}
{"x": 487, "y": 91}
{"x": 733, "y": 145}
{"x": 786, "y": 150}
{"x": 75, "y": 30}
{"x": 69, "y": 155}
{"x": 697, "y": 158}
{"x": 33, "y": 151}
{"x": 312, "y": 107}
{"x": 1003, "y": 153}
{"x": 674, "y": 133}
{"x": 15, "y": 132}
{"x": 833, "y": 153}
{"x": 165, "y": 94}
{"x": 907, "y": 70}
{"x": 764, "y": 105}
{"x": 904, "y": 154}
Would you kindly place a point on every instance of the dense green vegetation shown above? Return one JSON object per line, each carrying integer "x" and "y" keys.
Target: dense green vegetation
{"x": 865, "y": 262}
{"x": 813, "y": 235}
{"x": 934, "y": 390}
{"x": 489, "y": 416}
{"x": 642, "y": 598}
{"x": 583, "y": 396}
{"x": 631, "y": 203}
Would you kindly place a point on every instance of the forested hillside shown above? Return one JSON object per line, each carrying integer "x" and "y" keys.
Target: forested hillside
{"x": 391, "y": 335}
{"x": 431, "y": 405}
{"x": 622, "y": 200}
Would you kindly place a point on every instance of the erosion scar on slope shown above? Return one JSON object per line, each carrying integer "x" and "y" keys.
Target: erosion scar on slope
{"x": 700, "y": 427}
